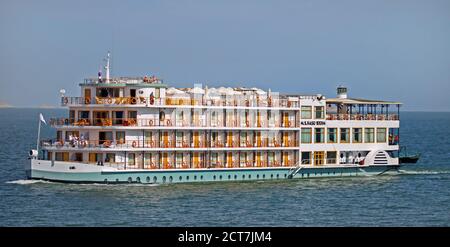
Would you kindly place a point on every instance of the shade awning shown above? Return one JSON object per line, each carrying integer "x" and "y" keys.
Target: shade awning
{"x": 355, "y": 101}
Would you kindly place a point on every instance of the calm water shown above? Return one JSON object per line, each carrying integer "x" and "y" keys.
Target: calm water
{"x": 418, "y": 197}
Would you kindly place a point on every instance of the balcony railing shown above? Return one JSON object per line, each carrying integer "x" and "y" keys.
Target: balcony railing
{"x": 149, "y": 122}
{"x": 189, "y": 164}
{"x": 171, "y": 143}
{"x": 375, "y": 117}
{"x": 174, "y": 101}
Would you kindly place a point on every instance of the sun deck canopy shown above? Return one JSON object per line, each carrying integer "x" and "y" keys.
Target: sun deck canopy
{"x": 355, "y": 101}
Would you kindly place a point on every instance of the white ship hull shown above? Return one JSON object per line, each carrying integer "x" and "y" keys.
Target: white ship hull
{"x": 73, "y": 172}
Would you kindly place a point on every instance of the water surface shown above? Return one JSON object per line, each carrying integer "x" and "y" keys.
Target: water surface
{"x": 419, "y": 196}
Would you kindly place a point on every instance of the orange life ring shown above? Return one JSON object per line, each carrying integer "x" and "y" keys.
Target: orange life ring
{"x": 169, "y": 123}
{"x": 134, "y": 144}
{"x": 133, "y": 100}
{"x": 87, "y": 100}
{"x": 248, "y": 143}
{"x": 109, "y": 100}
{"x": 150, "y": 122}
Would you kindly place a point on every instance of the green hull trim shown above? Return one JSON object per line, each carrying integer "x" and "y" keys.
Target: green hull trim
{"x": 184, "y": 176}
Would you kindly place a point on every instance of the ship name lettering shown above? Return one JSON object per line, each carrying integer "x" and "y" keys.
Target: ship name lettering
{"x": 312, "y": 122}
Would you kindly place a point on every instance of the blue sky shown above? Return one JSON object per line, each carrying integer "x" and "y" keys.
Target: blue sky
{"x": 392, "y": 50}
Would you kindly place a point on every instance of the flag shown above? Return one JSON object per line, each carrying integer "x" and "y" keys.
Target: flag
{"x": 41, "y": 117}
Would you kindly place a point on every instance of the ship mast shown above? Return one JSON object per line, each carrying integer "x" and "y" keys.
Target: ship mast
{"x": 107, "y": 68}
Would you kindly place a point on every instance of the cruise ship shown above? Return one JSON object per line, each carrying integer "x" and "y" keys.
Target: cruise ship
{"x": 141, "y": 130}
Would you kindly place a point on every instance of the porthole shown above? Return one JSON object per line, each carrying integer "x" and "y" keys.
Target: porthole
{"x": 285, "y": 175}
{"x": 229, "y": 177}
{"x": 106, "y": 181}
{"x": 264, "y": 175}
{"x": 164, "y": 179}
{"x": 214, "y": 177}
{"x": 195, "y": 177}
{"x": 155, "y": 179}
{"x": 220, "y": 177}
{"x": 334, "y": 173}
{"x": 138, "y": 179}
{"x": 278, "y": 175}
{"x": 249, "y": 176}
{"x": 130, "y": 180}
{"x": 271, "y": 175}
{"x": 201, "y": 177}
{"x": 235, "y": 176}
{"x": 180, "y": 178}
{"x": 243, "y": 176}
{"x": 117, "y": 180}
{"x": 257, "y": 176}
{"x": 187, "y": 177}
{"x": 302, "y": 174}
{"x": 170, "y": 179}
{"x": 307, "y": 174}
{"x": 148, "y": 179}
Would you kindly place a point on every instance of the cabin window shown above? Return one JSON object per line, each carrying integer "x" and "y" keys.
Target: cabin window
{"x": 306, "y": 135}
{"x": 95, "y": 157}
{"x": 381, "y": 134}
{"x": 345, "y": 135}
{"x": 319, "y": 135}
{"x": 180, "y": 117}
{"x": 104, "y": 136}
{"x": 118, "y": 117}
{"x": 59, "y": 135}
{"x": 179, "y": 139}
{"x": 162, "y": 116}
{"x": 71, "y": 116}
{"x": 120, "y": 137}
{"x": 306, "y": 158}
{"x": 319, "y": 112}
{"x": 331, "y": 157}
{"x": 71, "y": 134}
{"x": 306, "y": 112}
{"x": 78, "y": 157}
{"x": 62, "y": 156}
{"x": 132, "y": 115}
{"x": 108, "y": 92}
{"x": 147, "y": 160}
{"x": 179, "y": 160}
{"x": 110, "y": 157}
{"x": 101, "y": 118}
{"x": 357, "y": 135}
{"x": 243, "y": 139}
{"x": 369, "y": 135}
{"x": 332, "y": 135}
{"x": 131, "y": 159}
{"x": 83, "y": 115}
{"x": 393, "y": 136}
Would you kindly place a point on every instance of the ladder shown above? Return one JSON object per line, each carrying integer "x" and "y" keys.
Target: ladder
{"x": 294, "y": 170}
